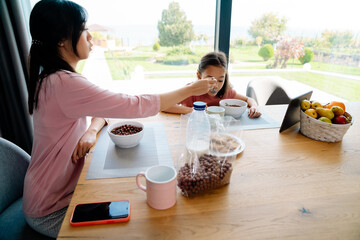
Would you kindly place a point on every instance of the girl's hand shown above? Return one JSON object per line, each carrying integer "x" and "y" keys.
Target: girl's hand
{"x": 83, "y": 146}
{"x": 254, "y": 112}
{"x": 202, "y": 86}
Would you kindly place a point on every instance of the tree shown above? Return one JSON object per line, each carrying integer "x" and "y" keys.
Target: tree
{"x": 258, "y": 41}
{"x": 269, "y": 27}
{"x": 156, "y": 47}
{"x": 202, "y": 37}
{"x": 337, "y": 38}
{"x": 174, "y": 29}
{"x": 97, "y": 36}
{"x": 287, "y": 48}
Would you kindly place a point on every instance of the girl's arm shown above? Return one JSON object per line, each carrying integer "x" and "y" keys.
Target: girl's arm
{"x": 88, "y": 139}
{"x": 179, "y": 109}
{"x": 253, "y": 107}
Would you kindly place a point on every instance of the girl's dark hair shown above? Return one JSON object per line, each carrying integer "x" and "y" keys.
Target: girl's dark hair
{"x": 51, "y": 21}
{"x": 217, "y": 59}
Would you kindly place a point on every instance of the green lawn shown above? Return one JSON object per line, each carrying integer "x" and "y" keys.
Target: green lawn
{"x": 122, "y": 64}
{"x": 249, "y": 54}
{"x": 341, "y": 87}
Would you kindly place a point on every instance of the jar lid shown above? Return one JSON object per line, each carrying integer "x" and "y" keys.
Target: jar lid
{"x": 199, "y": 105}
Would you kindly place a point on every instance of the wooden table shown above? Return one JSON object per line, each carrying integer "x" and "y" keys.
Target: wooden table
{"x": 283, "y": 186}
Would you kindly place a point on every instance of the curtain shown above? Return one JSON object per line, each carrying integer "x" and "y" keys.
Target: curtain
{"x": 15, "y": 121}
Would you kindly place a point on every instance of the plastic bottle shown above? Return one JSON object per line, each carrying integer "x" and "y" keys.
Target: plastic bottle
{"x": 198, "y": 130}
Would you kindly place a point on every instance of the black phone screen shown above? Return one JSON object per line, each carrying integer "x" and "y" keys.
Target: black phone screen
{"x": 100, "y": 211}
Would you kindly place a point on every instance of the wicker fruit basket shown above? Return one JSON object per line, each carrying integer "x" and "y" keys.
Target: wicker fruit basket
{"x": 322, "y": 131}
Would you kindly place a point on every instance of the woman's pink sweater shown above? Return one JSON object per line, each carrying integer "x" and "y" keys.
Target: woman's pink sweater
{"x": 65, "y": 99}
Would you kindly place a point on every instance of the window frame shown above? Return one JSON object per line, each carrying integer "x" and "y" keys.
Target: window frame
{"x": 223, "y": 26}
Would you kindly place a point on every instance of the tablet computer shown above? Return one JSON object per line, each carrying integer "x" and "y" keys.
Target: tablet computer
{"x": 292, "y": 115}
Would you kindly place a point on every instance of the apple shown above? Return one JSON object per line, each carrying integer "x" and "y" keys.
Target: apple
{"x": 337, "y": 110}
{"x": 315, "y": 105}
{"x": 305, "y": 104}
{"x": 340, "y": 119}
{"x": 311, "y": 112}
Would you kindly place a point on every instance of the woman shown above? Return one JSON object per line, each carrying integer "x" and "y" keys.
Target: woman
{"x": 60, "y": 99}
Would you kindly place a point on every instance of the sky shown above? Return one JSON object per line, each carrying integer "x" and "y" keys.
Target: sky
{"x": 311, "y": 14}
{"x": 338, "y": 15}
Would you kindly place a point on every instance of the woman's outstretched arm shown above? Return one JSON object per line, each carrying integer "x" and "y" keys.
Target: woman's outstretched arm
{"x": 196, "y": 88}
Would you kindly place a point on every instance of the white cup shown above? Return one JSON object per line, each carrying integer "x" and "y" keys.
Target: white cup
{"x": 216, "y": 110}
{"x": 160, "y": 186}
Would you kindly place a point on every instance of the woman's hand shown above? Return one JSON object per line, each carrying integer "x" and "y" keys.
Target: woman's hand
{"x": 88, "y": 139}
{"x": 254, "y": 112}
{"x": 203, "y": 86}
{"x": 83, "y": 146}
{"x": 196, "y": 88}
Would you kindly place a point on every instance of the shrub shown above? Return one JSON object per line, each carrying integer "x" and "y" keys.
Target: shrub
{"x": 179, "y": 55}
{"x": 180, "y": 59}
{"x": 307, "y": 57}
{"x": 194, "y": 59}
{"x": 180, "y": 50}
{"x": 156, "y": 47}
{"x": 175, "y": 60}
{"x": 269, "y": 66}
{"x": 241, "y": 41}
{"x": 266, "y": 52}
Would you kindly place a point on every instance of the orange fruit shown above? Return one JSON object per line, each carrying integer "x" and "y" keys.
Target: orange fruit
{"x": 335, "y": 103}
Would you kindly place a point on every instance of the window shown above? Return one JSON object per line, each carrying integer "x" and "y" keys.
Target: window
{"x": 126, "y": 34}
{"x": 268, "y": 37}
{"x": 323, "y": 34}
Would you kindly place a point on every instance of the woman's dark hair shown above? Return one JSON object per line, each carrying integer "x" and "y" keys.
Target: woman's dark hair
{"x": 217, "y": 59}
{"x": 51, "y": 21}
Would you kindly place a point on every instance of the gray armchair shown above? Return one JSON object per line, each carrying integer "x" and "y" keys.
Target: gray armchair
{"x": 13, "y": 165}
{"x": 267, "y": 91}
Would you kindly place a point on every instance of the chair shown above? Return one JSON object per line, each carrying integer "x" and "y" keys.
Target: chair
{"x": 13, "y": 165}
{"x": 267, "y": 91}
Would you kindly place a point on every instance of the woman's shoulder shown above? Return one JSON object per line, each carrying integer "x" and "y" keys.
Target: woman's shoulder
{"x": 68, "y": 74}
{"x": 64, "y": 76}
{"x": 67, "y": 81}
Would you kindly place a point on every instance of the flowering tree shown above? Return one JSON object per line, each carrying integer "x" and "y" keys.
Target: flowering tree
{"x": 287, "y": 48}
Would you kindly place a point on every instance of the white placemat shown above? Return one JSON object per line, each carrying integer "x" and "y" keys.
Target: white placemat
{"x": 246, "y": 123}
{"x": 109, "y": 161}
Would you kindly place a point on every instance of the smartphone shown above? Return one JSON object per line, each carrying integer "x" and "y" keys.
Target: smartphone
{"x": 100, "y": 213}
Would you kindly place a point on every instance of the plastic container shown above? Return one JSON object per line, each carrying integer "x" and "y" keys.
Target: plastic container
{"x": 206, "y": 163}
{"x": 198, "y": 130}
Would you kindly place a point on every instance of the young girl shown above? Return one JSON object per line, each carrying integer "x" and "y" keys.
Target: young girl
{"x": 213, "y": 66}
{"x": 60, "y": 99}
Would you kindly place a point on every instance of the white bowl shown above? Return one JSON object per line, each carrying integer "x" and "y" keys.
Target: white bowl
{"x": 236, "y": 112}
{"x": 126, "y": 141}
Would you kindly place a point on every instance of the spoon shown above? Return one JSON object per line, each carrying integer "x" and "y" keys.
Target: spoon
{"x": 213, "y": 90}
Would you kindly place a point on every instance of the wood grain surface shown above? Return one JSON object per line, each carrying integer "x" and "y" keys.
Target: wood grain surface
{"x": 283, "y": 186}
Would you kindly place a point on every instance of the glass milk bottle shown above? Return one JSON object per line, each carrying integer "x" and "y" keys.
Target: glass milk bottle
{"x": 198, "y": 130}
